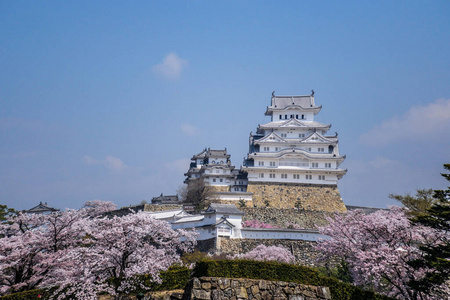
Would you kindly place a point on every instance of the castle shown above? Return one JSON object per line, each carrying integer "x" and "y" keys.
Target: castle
{"x": 291, "y": 163}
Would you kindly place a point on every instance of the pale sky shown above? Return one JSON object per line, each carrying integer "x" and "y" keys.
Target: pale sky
{"x": 110, "y": 99}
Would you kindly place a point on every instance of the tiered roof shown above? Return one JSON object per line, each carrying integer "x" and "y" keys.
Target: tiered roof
{"x": 280, "y": 103}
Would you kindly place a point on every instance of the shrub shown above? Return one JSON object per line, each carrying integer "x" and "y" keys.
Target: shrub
{"x": 274, "y": 271}
{"x": 27, "y": 295}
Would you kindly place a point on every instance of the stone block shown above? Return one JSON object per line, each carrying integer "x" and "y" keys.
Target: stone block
{"x": 218, "y": 295}
{"x": 323, "y": 292}
{"x": 241, "y": 293}
{"x": 296, "y": 297}
{"x": 201, "y": 295}
{"x": 254, "y": 289}
{"x": 196, "y": 284}
{"x": 223, "y": 283}
{"x": 206, "y": 285}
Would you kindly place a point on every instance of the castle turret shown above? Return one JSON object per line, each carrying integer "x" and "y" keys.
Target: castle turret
{"x": 292, "y": 162}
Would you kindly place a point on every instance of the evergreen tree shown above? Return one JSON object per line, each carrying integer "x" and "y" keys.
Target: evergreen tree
{"x": 436, "y": 252}
{"x": 417, "y": 205}
{"x": 6, "y": 212}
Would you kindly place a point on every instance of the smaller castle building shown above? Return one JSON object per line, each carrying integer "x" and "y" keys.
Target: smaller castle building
{"x": 215, "y": 169}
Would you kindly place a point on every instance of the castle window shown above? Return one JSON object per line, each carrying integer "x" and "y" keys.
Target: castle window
{"x": 315, "y": 165}
{"x": 272, "y": 164}
{"x": 266, "y": 148}
{"x": 296, "y": 116}
{"x": 321, "y": 149}
{"x": 261, "y": 175}
{"x": 321, "y": 177}
{"x": 309, "y": 177}
{"x": 280, "y": 117}
{"x": 327, "y": 165}
{"x": 285, "y": 117}
{"x": 214, "y": 180}
{"x": 292, "y": 116}
{"x": 283, "y": 135}
{"x": 303, "y": 117}
{"x": 261, "y": 163}
{"x": 277, "y": 148}
{"x": 284, "y": 176}
{"x": 221, "y": 180}
{"x": 296, "y": 176}
{"x": 272, "y": 175}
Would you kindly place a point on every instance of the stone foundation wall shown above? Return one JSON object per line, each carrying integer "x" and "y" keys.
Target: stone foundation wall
{"x": 304, "y": 196}
{"x": 206, "y": 245}
{"x": 283, "y": 217}
{"x": 235, "y": 202}
{"x": 304, "y": 251}
{"x": 219, "y": 288}
{"x": 219, "y": 188}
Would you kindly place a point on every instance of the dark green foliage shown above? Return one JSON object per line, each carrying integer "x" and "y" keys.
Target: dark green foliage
{"x": 6, "y": 212}
{"x": 176, "y": 277}
{"x": 417, "y": 205}
{"x": 27, "y": 295}
{"x": 282, "y": 272}
{"x": 192, "y": 258}
{"x": 341, "y": 271}
{"x": 436, "y": 253}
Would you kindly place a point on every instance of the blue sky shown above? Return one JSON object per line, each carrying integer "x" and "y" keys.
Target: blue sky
{"x": 110, "y": 99}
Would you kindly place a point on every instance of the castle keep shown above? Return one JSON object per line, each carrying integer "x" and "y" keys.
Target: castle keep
{"x": 291, "y": 163}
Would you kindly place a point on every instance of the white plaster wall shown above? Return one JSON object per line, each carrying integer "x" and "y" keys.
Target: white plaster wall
{"x": 253, "y": 176}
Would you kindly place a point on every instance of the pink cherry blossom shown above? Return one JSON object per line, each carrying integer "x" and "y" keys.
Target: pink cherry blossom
{"x": 377, "y": 248}
{"x": 264, "y": 253}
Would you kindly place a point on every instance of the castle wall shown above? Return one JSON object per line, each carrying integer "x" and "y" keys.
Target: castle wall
{"x": 304, "y": 251}
{"x": 293, "y": 195}
{"x": 248, "y": 203}
{"x": 205, "y": 288}
{"x": 285, "y": 218}
{"x": 220, "y": 188}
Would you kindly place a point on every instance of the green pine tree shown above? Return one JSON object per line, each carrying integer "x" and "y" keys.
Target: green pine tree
{"x": 437, "y": 254}
{"x": 6, "y": 212}
{"x": 418, "y": 204}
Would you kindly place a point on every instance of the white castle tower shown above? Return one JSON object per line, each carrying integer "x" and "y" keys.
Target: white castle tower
{"x": 291, "y": 161}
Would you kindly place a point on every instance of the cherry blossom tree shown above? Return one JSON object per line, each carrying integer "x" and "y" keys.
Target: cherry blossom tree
{"x": 256, "y": 224}
{"x": 377, "y": 248}
{"x": 122, "y": 248}
{"x": 264, "y": 253}
{"x": 96, "y": 208}
{"x": 27, "y": 252}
